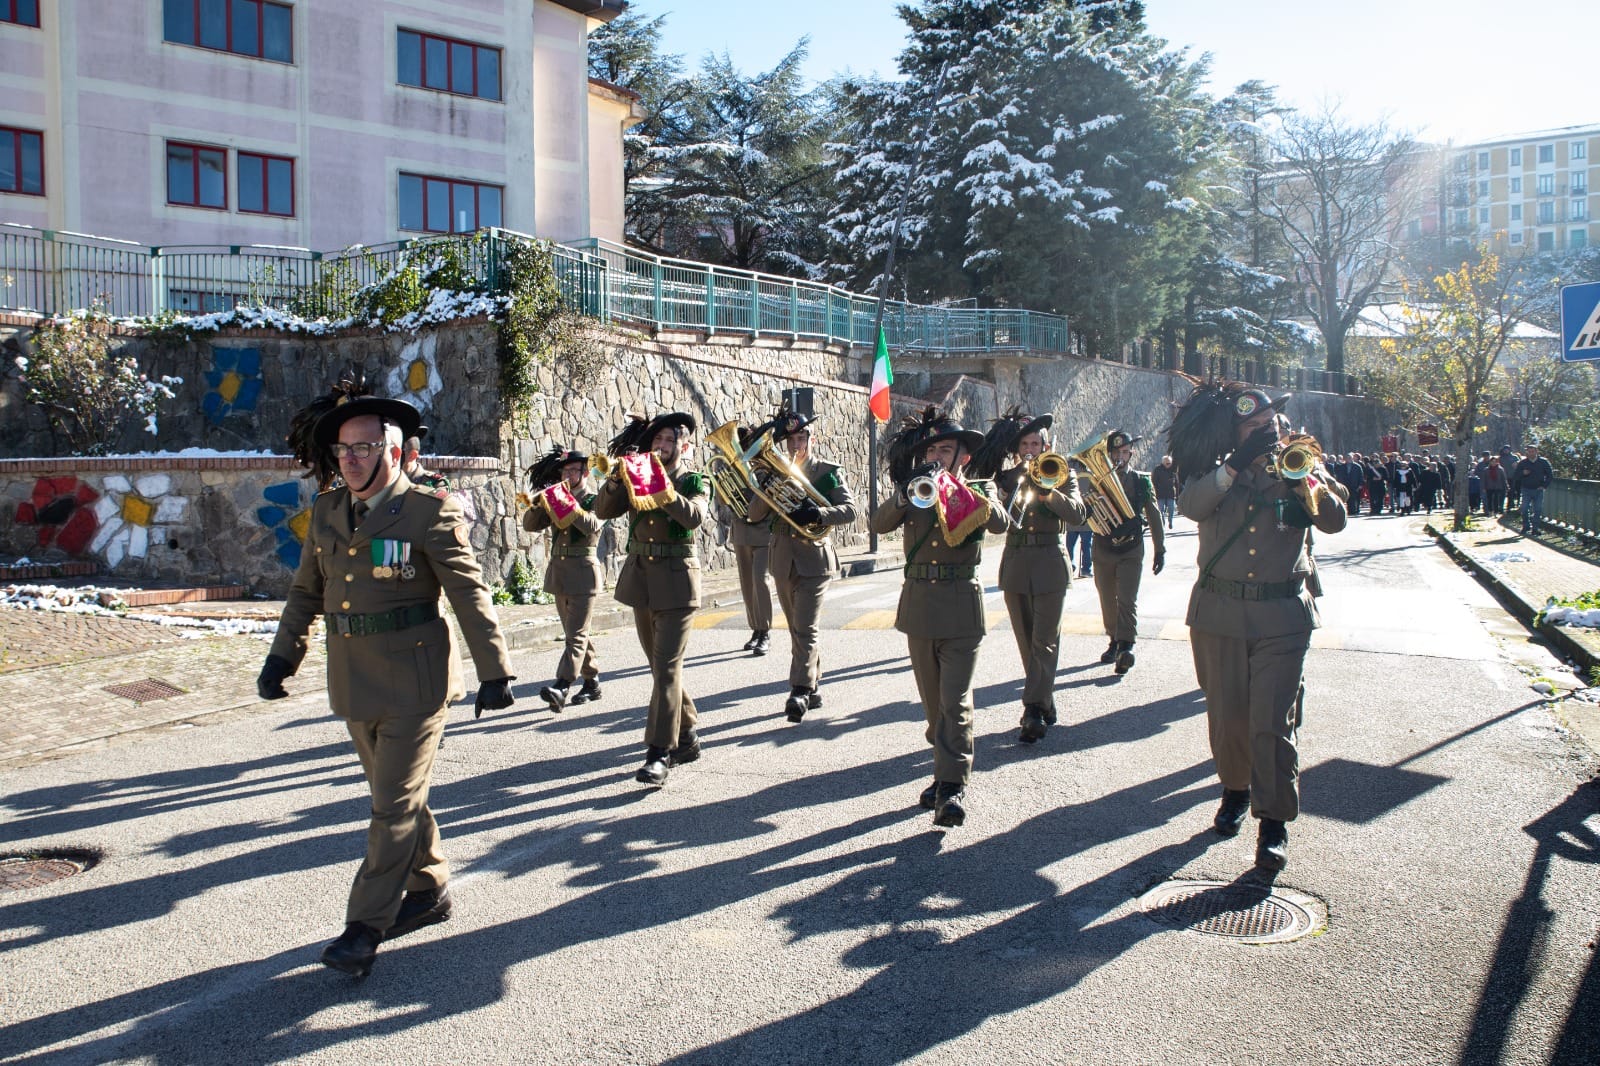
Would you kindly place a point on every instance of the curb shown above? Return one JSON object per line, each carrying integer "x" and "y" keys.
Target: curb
{"x": 1520, "y": 607}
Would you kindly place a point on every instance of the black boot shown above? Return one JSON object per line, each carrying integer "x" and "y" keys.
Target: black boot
{"x": 949, "y": 808}
{"x": 688, "y": 749}
{"x": 588, "y": 693}
{"x": 813, "y": 700}
{"x": 1272, "y": 845}
{"x": 419, "y": 909}
{"x": 555, "y": 695}
{"x": 761, "y": 644}
{"x": 750, "y": 645}
{"x": 929, "y": 798}
{"x": 797, "y": 704}
{"x": 1034, "y": 724}
{"x": 1230, "y": 816}
{"x": 354, "y": 951}
{"x": 1125, "y": 658}
{"x": 1109, "y": 656}
{"x": 654, "y": 770}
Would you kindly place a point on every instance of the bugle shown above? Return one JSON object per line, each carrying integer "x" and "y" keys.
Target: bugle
{"x": 1296, "y": 458}
{"x": 1048, "y": 471}
{"x": 922, "y": 491}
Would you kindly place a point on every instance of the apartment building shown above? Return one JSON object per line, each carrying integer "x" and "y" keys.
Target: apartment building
{"x": 1531, "y": 192}
{"x": 308, "y": 123}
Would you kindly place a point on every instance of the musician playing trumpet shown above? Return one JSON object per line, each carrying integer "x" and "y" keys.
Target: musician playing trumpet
{"x": 801, "y": 566}
{"x": 941, "y": 601}
{"x": 1040, "y": 497}
{"x": 1253, "y": 607}
{"x": 564, "y": 504}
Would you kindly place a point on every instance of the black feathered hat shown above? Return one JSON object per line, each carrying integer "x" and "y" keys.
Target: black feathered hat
{"x": 679, "y": 420}
{"x": 1203, "y": 430}
{"x": 787, "y": 423}
{"x": 917, "y": 432}
{"x": 632, "y": 437}
{"x": 1000, "y": 443}
{"x": 547, "y": 471}
{"x": 1118, "y": 439}
{"x": 396, "y": 412}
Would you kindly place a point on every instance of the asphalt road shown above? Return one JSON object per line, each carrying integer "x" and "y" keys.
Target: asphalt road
{"x": 784, "y": 899}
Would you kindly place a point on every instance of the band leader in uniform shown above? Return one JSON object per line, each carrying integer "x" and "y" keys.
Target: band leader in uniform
{"x": 378, "y": 553}
{"x": 564, "y": 504}
{"x": 1253, "y": 606}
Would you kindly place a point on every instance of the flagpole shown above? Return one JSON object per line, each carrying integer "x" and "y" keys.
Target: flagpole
{"x": 877, "y": 317}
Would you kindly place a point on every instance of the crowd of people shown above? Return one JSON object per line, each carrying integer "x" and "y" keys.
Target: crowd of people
{"x": 1405, "y": 483}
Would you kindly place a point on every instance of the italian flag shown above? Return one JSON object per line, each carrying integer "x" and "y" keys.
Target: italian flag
{"x": 882, "y": 378}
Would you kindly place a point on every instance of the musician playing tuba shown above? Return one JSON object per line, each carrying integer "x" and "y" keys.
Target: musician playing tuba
{"x": 801, "y": 566}
{"x": 1253, "y": 607}
{"x": 1118, "y": 550}
{"x": 1040, "y": 494}
{"x": 564, "y": 504}
{"x": 941, "y": 601}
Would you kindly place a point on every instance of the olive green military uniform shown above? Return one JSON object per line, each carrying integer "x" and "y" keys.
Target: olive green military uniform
{"x": 1119, "y": 561}
{"x": 1250, "y": 620}
{"x": 1035, "y": 576}
{"x": 661, "y": 582}
{"x": 392, "y": 665}
{"x": 802, "y": 569}
{"x": 573, "y": 577}
{"x": 941, "y": 614}
{"x": 750, "y": 542}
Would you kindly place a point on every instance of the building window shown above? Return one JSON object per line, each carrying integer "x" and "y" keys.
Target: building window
{"x": 1579, "y": 210}
{"x": 21, "y": 161}
{"x": 1580, "y": 184}
{"x": 1516, "y": 212}
{"x": 266, "y": 184}
{"x": 257, "y": 28}
{"x": 1483, "y": 160}
{"x": 1547, "y": 241}
{"x": 1578, "y": 150}
{"x": 1547, "y": 153}
{"x": 1516, "y": 157}
{"x": 1578, "y": 238}
{"x": 1516, "y": 184}
{"x": 1516, "y": 238}
{"x": 1461, "y": 217}
{"x": 1483, "y": 216}
{"x": 1483, "y": 187}
{"x": 1547, "y": 212}
{"x": 197, "y": 175}
{"x": 22, "y": 12}
{"x": 461, "y": 67}
{"x": 442, "y": 205}
{"x": 1547, "y": 184}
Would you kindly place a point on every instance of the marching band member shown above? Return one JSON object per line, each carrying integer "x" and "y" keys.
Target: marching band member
{"x": 751, "y": 543}
{"x": 803, "y": 566}
{"x": 1034, "y": 575}
{"x": 1119, "y": 555}
{"x": 1253, "y": 608}
{"x": 661, "y": 578}
{"x": 565, "y": 506}
{"x": 941, "y": 601}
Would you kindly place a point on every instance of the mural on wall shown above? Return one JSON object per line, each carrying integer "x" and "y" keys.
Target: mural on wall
{"x": 232, "y": 384}
{"x": 416, "y": 380}
{"x": 286, "y": 518}
{"x": 133, "y": 513}
{"x": 59, "y": 509}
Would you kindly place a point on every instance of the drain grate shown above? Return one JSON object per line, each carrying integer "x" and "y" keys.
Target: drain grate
{"x": 146, "y": 691}
{"x": 1251, "y": 914}
{"x": 18, "y": 873}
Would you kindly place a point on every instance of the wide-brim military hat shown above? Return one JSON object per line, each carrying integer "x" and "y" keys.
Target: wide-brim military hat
{"x": 1118, "y": 439}
{"x": 1038, "y": 425}
{"x": 397, "y": 412}
{"x": 949, "y": 429}
{"x": 680, "y": 420}
{"x": 788, "y": 424}
{"x": 573, "y": 456}
{"x": 1250, "y": 401}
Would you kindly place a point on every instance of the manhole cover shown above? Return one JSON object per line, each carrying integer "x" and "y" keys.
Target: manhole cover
{"x": 145, "y": 691}
{"x": 18, "y": 873}
{"x": 1250, "y": 914}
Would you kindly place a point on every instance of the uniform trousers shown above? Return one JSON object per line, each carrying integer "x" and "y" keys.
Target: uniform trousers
{"x": 1116, "y": 579}
{"x": 752, "y": 560}
{"x": 801, "y": 600}
{"x": 1036, "y": 622}
{"x": 579, "y": 654}
{"x": 664, "y": 636}
{"x": 1255, "y": 698}
{"x": 403, "y": 852}
{"x": 943, "y": 668}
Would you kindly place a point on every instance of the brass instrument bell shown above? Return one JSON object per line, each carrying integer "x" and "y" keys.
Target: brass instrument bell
{"x": 1049, "y": 470}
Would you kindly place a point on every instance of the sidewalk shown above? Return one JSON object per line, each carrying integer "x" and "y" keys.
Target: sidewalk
{"x": 55, "y": 667}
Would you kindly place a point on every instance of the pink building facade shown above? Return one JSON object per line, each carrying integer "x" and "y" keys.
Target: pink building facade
{"x": 313, "y": 123}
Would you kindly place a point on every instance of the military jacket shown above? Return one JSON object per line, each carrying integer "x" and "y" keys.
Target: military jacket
{"x": 934, "y": 610}
{"x": 1261, "y": 554}
{"x": 403, "y": 672}
{"x": 659, "y": 582}
{"x": 792, "y": 553}
{"x": 745, "y": 534}
{"x": 1141, "y": 492}
{"x": 570, "y": 575}
{"x": 1034, "y": 561}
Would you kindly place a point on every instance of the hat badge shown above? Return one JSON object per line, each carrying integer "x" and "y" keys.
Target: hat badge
{"x": 1246, "y": 405}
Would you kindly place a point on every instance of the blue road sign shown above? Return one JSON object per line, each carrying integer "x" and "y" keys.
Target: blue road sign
{"x": 1580, "y": 322}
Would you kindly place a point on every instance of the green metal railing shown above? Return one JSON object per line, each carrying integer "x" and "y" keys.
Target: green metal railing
{"x": 1573, "y": 506}
{"x": 54, "y": 272}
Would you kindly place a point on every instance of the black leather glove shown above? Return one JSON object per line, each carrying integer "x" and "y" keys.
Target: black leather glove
{"x": 1160, "y": 563}
{"x": 269, "y": 685}
{"x": 493, "y": 696}
{"x": 1257, "y": 444}
{"x": 807, "y": 514}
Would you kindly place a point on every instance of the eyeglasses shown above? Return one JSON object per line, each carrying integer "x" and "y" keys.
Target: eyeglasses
{"x": 361, "y": 449}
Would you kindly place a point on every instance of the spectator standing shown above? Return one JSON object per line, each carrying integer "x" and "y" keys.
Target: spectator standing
{"x": 1508, "y": 463}
{"x": 1474, "y": 490}
{"x": 1428, "y": 485}
{"x": 1353, "y": 476}
{"x": 1165, "y": 477}
{"x": 1375, "y": 477}
{"x": 1533, "y": 475}
{"x": 1494, "y": 487}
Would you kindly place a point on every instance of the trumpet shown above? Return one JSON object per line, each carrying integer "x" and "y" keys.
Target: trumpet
{"x": 1049, "y": 470}
{"x": 599, "y": 466}
{"x": 1299, "y": 455}
{"x": 922, "y": 491}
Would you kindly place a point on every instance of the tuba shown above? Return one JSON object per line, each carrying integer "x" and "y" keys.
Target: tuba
{"x": 740, "y": 474}
{"x": 1108, "y": 504}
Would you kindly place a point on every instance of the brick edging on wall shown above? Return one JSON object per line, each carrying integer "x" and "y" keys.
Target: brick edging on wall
{"x": 111, "y": 464}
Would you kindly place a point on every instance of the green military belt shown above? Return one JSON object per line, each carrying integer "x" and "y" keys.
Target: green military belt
{"x": 1032, "y": 540}
{"x": 572, "y": 551}
{"x": 933, "y": 572}
{"x": 368, "y": 625}
{"x": 1253, "y": 590}
{"x": 661, "y": 551}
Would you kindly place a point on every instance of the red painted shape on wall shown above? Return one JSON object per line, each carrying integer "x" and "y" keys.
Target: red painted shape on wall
{"x": 79, "y": 530}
